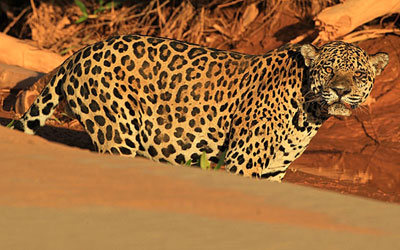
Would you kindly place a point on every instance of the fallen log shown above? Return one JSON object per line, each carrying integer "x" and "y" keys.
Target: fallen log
{"x": 338, "y": 20}
{"x": 18, "y": 52}
{"x": 25, "y": 98}
{"x": 17, "y": 78}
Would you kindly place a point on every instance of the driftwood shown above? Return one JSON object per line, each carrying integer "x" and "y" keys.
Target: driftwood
{"x": 337, "y": 21}
{"x": 21, "y": 65}
{"x": 17, "y": 52}
{"x": 25, "y": 98}
{"x": 17, "y": 78}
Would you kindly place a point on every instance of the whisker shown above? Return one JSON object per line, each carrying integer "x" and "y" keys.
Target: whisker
{"x": 317, "y": 98}
{"x": 308, "y": 94}
{"x": 362, "y": 109}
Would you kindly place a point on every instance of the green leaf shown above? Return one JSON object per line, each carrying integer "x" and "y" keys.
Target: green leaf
{"x": 204, "y": 163}
{"x": 221, "y": 160}
{"x": 10, "y": 124}
{"x": 56, "y": 119}
{"x": 81, "y": 19}
{"x": 111, "y": 4}
{"x": 188, "y": 163}
{"x": 82, "y": 7}
{"x": 64, "y": 51}
{"x": 100, "y": 9}
{"x": 101, "y": 2}
{"x": 66, "y": 115}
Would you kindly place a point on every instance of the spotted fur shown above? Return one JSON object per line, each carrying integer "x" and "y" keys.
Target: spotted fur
{"x": 170, "y": 101}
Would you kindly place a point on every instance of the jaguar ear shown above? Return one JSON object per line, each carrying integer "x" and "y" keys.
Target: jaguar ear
{"x": 309, "y": 52}
{"x": 379, "y": 61}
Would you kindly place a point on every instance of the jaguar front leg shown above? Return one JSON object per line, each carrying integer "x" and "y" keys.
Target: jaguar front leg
{"x": 255, "y": 159}
{"x": 258, "y": 149}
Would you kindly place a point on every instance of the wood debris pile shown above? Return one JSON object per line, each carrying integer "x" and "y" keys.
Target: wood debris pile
{"x": 214, "y": 23}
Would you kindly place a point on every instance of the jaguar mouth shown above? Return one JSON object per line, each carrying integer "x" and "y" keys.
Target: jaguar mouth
{"x": 339, "y": 109}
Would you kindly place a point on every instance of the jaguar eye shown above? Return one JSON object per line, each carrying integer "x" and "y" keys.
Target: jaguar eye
{"x": 328, "y": 70}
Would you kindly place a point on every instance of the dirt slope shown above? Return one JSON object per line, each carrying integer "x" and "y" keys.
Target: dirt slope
{"x": 58, "y": 197}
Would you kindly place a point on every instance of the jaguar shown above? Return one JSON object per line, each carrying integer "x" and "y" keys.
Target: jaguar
{"x": 173, "y": 101}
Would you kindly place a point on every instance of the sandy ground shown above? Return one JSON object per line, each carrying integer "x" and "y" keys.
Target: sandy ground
{"x": 58, "y": 197}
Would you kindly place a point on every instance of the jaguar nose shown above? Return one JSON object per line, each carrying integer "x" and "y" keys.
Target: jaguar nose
{"x": 340, "y": 90}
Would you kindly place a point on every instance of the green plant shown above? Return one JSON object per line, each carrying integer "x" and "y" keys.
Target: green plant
{"x": 221, "y": 161}
{"x": 102, "y": 7}
{"x": 188, "y": 163}
{"x": 10, "y": 124}
{"x": 205, "y": 164}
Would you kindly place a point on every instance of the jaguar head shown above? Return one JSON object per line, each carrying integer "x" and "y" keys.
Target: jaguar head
{"x": 341, "y": 75}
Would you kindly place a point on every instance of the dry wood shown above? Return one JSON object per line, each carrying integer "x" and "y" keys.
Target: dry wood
{"x": 215, "y": 23}
{"x": 14, "y": 77}
{"x": 25, "y": 98}
{"x": 16, "y": 19}
{"x": 368, "y": 34}
{"x": 338, "y": 20}
{"x": 17, "y": 52}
